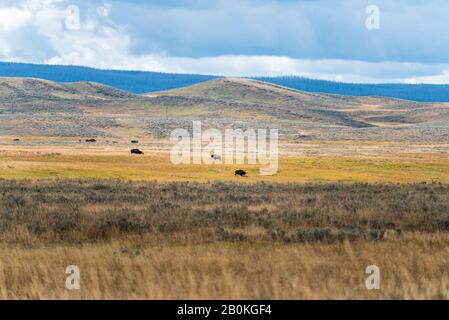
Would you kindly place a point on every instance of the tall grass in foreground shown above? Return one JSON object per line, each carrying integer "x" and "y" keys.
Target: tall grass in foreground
{"x": 151, "y": 240}
{"x": 412, "y": 267}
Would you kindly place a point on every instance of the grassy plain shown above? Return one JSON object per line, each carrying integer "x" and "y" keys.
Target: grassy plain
{"x": 140, "y": 227}
{"x": 72, "y": 162}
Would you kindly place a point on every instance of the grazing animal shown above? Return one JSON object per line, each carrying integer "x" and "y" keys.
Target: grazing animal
{"x": 216, "y": 157}
{"x": 241, "y": 173}
{"x": 136, "y": 151}
{"x": 91, "y": 140}
{"x": 134, "y": 141}
{"x": 16, "y": 140}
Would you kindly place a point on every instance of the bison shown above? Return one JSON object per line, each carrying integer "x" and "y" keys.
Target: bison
{"x": 241, "y": 173}
{"x": 91, "y": 140}
{"x": 136, "y": 151}
{"x": 134, "y": 141}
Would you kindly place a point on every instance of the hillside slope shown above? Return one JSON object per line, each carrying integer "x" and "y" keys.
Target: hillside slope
{"x": 131, "y": 81}
{"x": 140, "y": 82}
{"x": 44, "y": 108}
{"x": 25, "y": 89}
{"x": 282, "y": 102}
{"x": 304, "y": 115}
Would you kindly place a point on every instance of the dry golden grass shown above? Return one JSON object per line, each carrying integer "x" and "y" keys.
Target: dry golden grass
{"x": 86, "y": 211}
{"x": 146, "y": 240}
{"x": 412, "y": 267}
{"x": 107, "y": 163}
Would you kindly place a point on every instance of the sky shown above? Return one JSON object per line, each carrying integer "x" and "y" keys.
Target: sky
{"x": 367, "y": 41}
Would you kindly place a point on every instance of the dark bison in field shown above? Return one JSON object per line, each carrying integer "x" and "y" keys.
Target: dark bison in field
{"x": 136, "y": 151}
{"x": 91, "y": 140}
{"x": 241, "y": 173}
{"x": 134, "y": 141}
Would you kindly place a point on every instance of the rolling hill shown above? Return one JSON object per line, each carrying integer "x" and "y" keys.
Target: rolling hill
{"x": 25, "y": 90}
{"x": 283, "y": 103}
{"x": 130, "y": 81}
{"x": 83, "y": 109}
{"x": 141, "y": 82}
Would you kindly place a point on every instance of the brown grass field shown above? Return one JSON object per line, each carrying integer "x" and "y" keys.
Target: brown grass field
{"x": 412, "y": 267}
{"x": 222, "y": 240}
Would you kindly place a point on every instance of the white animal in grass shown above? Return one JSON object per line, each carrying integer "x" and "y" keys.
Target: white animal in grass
{"x": 216, "y": 157}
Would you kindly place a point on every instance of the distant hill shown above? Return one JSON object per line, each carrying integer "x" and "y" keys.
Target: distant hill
{"x": 131, "y": 81}
{"x": 30, "y": 91}
{"x": 414, "y": 92}
{"x": 142, "y": 82}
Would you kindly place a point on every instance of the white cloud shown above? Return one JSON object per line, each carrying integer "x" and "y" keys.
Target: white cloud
{"x": 441, "y": 78}
{"x": 103, "y": 43}
{"x": 12, "y": 19}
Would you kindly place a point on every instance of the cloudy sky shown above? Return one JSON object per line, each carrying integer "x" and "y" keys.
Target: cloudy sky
{"x": 324, "y": 39}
